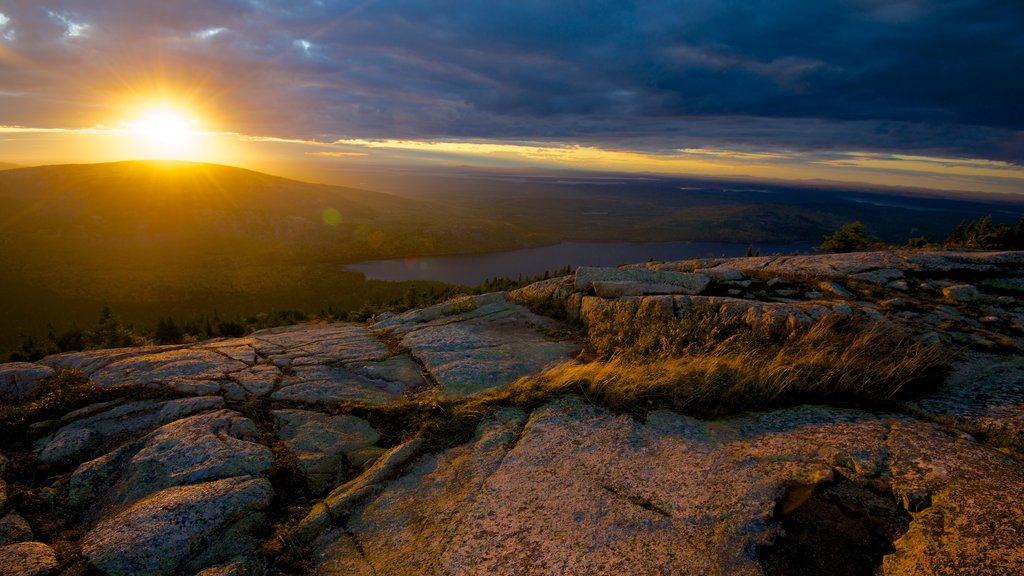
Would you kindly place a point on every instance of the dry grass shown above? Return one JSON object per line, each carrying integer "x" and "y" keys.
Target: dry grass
{"x": 707, "y": 365}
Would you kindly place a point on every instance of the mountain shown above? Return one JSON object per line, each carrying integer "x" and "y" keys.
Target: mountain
{"x": 169, "y": 206}
{"x": 178, "y": 238}
{"x": 8, "y": 166}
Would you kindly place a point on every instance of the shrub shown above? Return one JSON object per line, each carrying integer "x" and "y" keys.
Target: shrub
{"x": 848, "y": 238}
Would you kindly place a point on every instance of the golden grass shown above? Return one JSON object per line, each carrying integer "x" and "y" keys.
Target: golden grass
{"x": 705, "y": 364}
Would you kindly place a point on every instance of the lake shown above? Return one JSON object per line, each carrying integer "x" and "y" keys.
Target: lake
{"x": 470, "y": 270}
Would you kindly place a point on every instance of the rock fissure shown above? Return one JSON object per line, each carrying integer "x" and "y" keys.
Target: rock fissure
{"x": 636, "y": 500}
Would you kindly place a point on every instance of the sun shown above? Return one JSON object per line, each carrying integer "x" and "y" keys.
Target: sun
{"x": 165, "y": 133}
{"x": 166, "y": 127}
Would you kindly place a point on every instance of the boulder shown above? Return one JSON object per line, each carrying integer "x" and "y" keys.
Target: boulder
{"x": 336, "y": 384}
{"x": 28, "y": 559}
{"x": 473, "y": 356}
{"x": 256, "y": 380}
{"x": 961, "y": 293}
{"x": 90, "y": 361}
{"x": 19, "y": 379}
{"x": 168, "y": 531}
{"x": 14, "y": 529}
{"x": 95, "y": 434}
{"x": 684, "y": 282}
{"x": 190, "y": 365}
{"x": 196, "y": 449}
{"x": 322, "y": 444}
{"x": 835, "y": 289}
{"x": 319, "y": 344}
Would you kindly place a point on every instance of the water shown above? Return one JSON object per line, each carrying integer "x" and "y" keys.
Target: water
{"x": 471, "y": 270}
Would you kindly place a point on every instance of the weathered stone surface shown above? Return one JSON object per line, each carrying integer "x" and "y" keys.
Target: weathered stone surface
{"x": 27, "y": 559}
{"x": 478, "y": 343}
{"x": 344, "y": 498}
{"x": 836, "y": 266}
{"x": 685, "y": 282}
{"x": 162, "y": 533}
{"x": 546, "y": 290}
{"x": 19, "y": 379}
{"x": 975, "y": 523}
{"x": 587, "y": 492}
{"x": 984, "y": 394}
{"x": 167, "y": 368}
{"x": 331, "y": 385}
{"x": 961, "y": 293}
{"x": 322, "y": 443}
{"x": 399, "y": 369}
{"x": 233, "y": 569}
{"x": 338, "y": 555}
{"x": 834, "y": 289}
{"x": 257, "y": 380}
{"x": 90, "y": 361}
{"x": 609, "y": 289}
{"x": 319, "y": 344}
{"x": 196, "y": 449}
{"x": 96, "y": 434}
{"x": 881, "y": 277}
{"x": 473, "y": 356}
{"x": 14, "y": 529}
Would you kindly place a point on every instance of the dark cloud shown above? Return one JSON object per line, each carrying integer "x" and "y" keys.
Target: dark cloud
{"x": 925, "y": 76}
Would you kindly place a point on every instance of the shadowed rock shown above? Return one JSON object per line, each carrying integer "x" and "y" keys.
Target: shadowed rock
{"x": 19, "y": 379}
{"x": 323, "y": 443}
{"x": 171, "y": 530}
{"x": 93, "y": 435}
{"x": 167, "y": 368}
{"x": 196, "y": 449}
{"x": 27, "y": 559}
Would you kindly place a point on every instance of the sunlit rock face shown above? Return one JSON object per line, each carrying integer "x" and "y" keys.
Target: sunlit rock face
{"x": 303, "y": 445}
{"x": 575, "y": 489}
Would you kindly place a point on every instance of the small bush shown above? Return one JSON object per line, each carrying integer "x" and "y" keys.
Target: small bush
{"x": 848, "y": 238}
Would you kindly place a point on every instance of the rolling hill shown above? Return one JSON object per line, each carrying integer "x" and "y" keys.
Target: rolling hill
{"x": 180, "y": 239}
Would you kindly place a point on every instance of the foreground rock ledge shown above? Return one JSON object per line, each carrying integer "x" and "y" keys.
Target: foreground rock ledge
{"x": 574, "y": 489}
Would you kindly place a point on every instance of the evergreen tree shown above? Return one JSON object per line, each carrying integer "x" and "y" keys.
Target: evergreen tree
{"x": 848, "y": 238}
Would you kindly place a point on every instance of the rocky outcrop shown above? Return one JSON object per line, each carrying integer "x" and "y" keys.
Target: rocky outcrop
{"x": 478, "y": 343}
{"x": 244, "y": 431}
{"x": 588, "y": 492}
{"x": 324, "y": 444}
{"x": 28, "y": 559}
{"x": 191, "y": 450}
{"x": 184, "y": 528}
{"x": 19, "y": 379}
{"x": 92, "y": 435}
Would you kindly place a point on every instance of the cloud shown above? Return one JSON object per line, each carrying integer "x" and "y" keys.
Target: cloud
{"x": 929, "y": 77}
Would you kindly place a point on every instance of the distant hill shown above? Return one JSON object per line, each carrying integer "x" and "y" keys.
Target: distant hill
{"x": 168, "y": 206}
{"x": 8, "y": 166}
{"x": 154, "y": 238}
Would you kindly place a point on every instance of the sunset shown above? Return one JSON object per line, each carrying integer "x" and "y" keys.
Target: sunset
{"x": 446, "y": 288}
{"x": 840, "y": 91}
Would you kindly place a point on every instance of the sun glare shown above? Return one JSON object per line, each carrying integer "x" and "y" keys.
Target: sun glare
{"x": 166, "y": 133}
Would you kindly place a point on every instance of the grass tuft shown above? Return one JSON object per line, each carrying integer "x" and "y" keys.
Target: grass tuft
{"x": 708, "y": 365}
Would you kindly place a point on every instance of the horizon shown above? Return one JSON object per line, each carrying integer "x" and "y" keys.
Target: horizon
{"x": 914, "y": 94}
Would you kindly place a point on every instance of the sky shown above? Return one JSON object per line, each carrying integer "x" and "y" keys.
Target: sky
{"x": 923, "y": 93}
